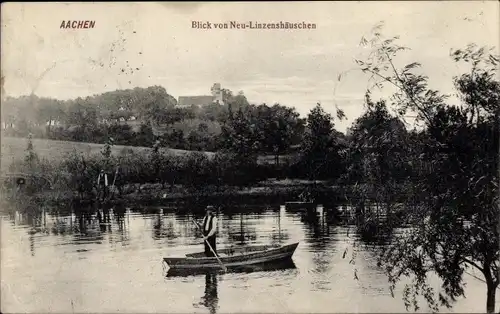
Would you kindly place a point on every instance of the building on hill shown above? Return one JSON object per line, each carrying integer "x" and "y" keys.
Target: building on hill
{"x": 216, "y": 97}
{"x": 217, "y": 93}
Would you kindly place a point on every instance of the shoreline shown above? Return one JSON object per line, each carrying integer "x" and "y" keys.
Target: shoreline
{"x": 153, "y": 194}
{"x": 272, "y": 192}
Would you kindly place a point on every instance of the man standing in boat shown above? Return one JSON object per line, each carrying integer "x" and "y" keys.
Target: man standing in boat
{"x": 209, "y": 229}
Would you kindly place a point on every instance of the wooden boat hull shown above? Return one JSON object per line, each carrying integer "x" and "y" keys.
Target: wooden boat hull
{"x": 281, "y": 265}
{"x": 232, "y": 258}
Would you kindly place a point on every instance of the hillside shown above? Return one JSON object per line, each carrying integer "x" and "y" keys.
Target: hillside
{"x": 13, "y": 148}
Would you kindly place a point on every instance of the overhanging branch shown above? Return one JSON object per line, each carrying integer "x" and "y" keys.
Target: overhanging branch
{"x": 473, "y": 264}
{"x": 406, "y": 92}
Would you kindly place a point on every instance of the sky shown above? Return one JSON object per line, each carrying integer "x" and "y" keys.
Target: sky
{"x": 145, "y": 44}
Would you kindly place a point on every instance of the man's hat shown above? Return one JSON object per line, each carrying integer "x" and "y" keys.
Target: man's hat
{"x": 209, "y": 207}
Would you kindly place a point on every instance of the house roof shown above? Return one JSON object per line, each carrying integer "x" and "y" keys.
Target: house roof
{"x": 195, "y": 100}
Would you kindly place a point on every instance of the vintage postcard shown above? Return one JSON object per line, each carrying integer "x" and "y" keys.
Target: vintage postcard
{"x": 250, "y": 157}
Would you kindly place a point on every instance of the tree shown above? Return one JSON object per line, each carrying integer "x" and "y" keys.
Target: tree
{"x": 377, "y": 152}
{"x": 235, "y": 102}
{"x": 214, "y": 112}
{"x": 320, "y": 148}
{"x": 195, "y": 141}
{"x": 175, "y": 139}
{"x": 49, "y": 112}
{"x": 83, "y": 115}
{"x": 85, "y": 119}
{"x": 241, "y": 145}
{"x": 241, "y": 137}
{"x": 227, "y": 95}
{"x": 229, "y": 169}
{"x": 170, "y": 169}
{"x": 280, "y": 127}
{"x": 74, "y": 165}
{"x": 145, "y": 136}
{"x": 458, "y": 213}
{"x": 121, "y": 133}
{"x": 196, "y": 172}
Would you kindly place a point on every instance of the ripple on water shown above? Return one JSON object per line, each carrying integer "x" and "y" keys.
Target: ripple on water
{"x": 118, "y": 265}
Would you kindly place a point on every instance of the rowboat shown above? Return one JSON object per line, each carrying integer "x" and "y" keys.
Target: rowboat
{"x": 234, "y": 257}
{"x": 282, "y": 265}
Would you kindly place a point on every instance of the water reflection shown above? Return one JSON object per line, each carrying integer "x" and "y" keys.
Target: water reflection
{"x": 210, "y": 300}
{"x": 374, "y": 232}
{"x": 90, "y": 223}
{"x": 128, "y": 245}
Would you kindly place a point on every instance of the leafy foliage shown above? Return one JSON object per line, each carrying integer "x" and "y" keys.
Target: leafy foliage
{"x": 139, "y": 116}
{"x": 377, "y": 155}
{"x": 457, "y": 200}
{"x": 321, "y": 146}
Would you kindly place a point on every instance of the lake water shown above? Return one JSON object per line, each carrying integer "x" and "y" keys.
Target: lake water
{"x": 63, "y": 263}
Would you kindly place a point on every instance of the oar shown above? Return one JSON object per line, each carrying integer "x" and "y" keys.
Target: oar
{"x": 211, "y": 249}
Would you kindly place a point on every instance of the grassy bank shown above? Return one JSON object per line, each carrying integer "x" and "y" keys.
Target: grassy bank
{"x": 14, "y": 148}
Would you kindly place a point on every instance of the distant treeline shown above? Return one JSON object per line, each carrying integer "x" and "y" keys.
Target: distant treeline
{"x": 379, "y": 148}
{"x": 141, "y": 116}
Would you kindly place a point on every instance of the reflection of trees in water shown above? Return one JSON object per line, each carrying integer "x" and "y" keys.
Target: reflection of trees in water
{"x": 321, "y": 242}
{"x": 83, "y": 218}
{"x": 36, "y": 219}
{"x": 41, "y": 221}
{"x": 93, "y": 221}
{"x": 318, "y": 231}
{"x": 171, "y": 225}
{"x": 55, "y": 224}
{"x": 157, "y": 227}
{"x": 163, "y": 229}
{"x": 374, "y": 222}
{"x": 375, "y": 228}
{"x": 240, "y": 228}
{"x": 147, "y": 211}
{"x": 241, "y": 232}
{"x": 374, "y": 232}
{"x": 312, "y": 221}
{"x": 29, "y": 218}
{"x": 323, "y": 252}
{"x": 84, "y": 222}
{"x": 119, "y": 214}
{"x": 278, "y": 233}
{"x": 87, "y": 230}
{"x": 104, "y": 217}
